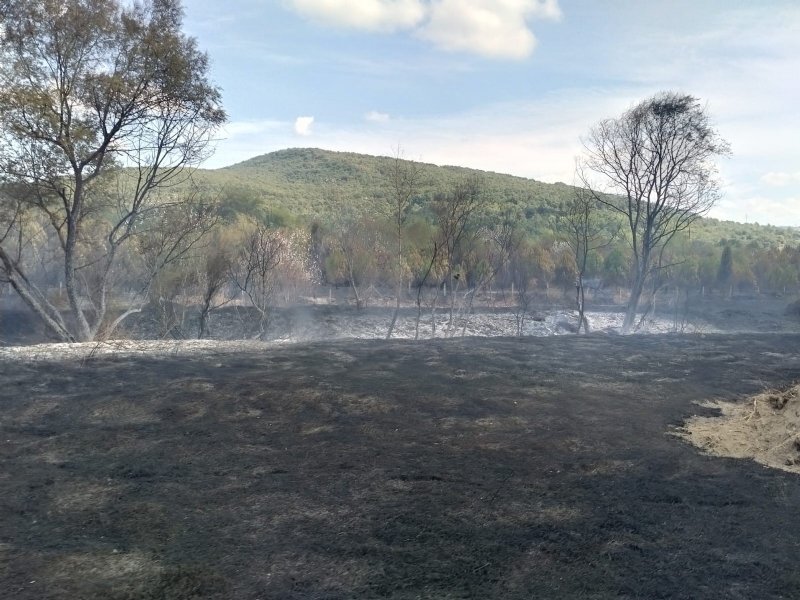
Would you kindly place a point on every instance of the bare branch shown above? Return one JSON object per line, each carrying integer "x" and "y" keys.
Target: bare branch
{"x": 653, "y": 165}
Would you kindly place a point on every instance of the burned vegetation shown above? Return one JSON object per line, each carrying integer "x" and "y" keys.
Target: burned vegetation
{"x": 492, "y": 468}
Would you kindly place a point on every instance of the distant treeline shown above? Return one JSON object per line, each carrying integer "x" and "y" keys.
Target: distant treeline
{"x": 273, "y": 229}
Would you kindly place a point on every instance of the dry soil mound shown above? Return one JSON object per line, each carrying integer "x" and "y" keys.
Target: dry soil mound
{"x": 765, "y": 427}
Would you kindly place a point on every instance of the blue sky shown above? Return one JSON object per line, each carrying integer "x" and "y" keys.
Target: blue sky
{"x": 508, "y": 85}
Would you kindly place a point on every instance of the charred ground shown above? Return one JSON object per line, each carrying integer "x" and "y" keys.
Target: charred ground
{"x": 473, "y": 468}
{"x": 316, "y": 322}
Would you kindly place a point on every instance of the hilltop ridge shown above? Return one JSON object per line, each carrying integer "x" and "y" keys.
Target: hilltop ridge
{"x": 300, "y": 182}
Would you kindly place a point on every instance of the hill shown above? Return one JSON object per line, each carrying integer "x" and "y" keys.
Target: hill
{"x": 300, "y": 183}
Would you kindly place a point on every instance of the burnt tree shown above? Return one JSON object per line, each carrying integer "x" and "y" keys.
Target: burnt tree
{"x": 653, "y": 165}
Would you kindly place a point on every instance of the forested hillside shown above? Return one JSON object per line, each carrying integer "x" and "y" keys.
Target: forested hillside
{"x": 301, "y": 183}
{"x": 308, "y": 182}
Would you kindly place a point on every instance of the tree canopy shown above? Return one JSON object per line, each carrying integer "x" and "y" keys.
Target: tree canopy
{"x": 87, "y": 86}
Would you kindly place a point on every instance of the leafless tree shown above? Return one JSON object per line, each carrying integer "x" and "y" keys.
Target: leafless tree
{"x": 491, "y": 248}
{"x": 254, "y": 270}
{"x": 166, "y": 234}
{"x": 166, "y": 302}
{"x": 454, "y": 211}
{"x": 654, "y": 165}
{"x": 506, "y": 235}
{"x": 87, "y": 88}
{"x": 507, "y": 253}
{"x": 403, "y": 181}
{"x": 432, "y": 263}
{"x": 528, "y": 263}
{"x": 584, "y": 235}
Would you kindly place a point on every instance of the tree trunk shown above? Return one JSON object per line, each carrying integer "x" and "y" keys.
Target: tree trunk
{"x": 469, "y": 312}
{"x": 83, "y": 333}
{"x": 641, "y": 268}
{"x": 580, "y": 299}
{"x": 419, "y": 316}
{"x": 395, "y": 313}
{"x": 433, "y": 313}
{"x": 399, "y": 289}
{"x": 32, "y": 298}
{"x": 450, "y": 323}
{"x": 633, "y": 304}
{"x": 353, "y": 284}
{"x": 203, "y": 331}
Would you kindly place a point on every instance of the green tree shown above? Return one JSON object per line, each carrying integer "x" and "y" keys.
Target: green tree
{"x": 725, "y": 271}
{"x": 213, "y": 275}
{"x": 615, "y": 267}
{"x": 780, "y": 276}
{"x": 87, "y": 87}
{"x": 358, "y": 250}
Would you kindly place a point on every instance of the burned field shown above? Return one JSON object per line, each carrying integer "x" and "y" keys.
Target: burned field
{"x": 471, "y": 468}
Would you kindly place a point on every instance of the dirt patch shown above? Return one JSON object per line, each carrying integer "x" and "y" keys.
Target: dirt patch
{"x": 764, "y": 427}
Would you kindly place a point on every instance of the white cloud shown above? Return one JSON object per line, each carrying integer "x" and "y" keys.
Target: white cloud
{"x": 780, "y": 179}
{"x": 302, "y": 125}
{"x": 531, "y": 139}
{"x": 491, "y": 28}
{"x": 368, "y": 15}
{"x": 376, "y": 117}
{"x": 740, "y": 62}
{"x": 537, "y": 139}
{"x": 759, "y": 209}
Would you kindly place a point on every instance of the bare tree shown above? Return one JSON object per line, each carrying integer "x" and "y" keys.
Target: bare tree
{"x": 298, "y": 272}
{"x": 433, "y": 258}
{"x": 86, "y": 88}
{"x": 166, "y": 302}
{"x": 254, "y": 270}
{"x": 488, "y": 255}
{"x": 653, "y": 165}
{"x": 521, "y": 270}
{"x": 506, "y": 235}
{"x": 403, "y": 180}
{"x": 528, "y": 263}
{"x": 507, "y": 244}
{"x": 454, "y": 212}
{"x": 167, "y": 234}
{"x": 584, "y": 235}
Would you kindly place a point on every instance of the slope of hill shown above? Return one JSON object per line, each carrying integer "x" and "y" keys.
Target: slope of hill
{"x": 302, "y": 182}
